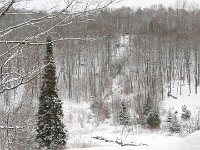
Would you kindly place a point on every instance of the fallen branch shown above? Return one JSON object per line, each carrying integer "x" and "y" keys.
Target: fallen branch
{"x": 117, "y": 142}
{"x": 170, "y": 95}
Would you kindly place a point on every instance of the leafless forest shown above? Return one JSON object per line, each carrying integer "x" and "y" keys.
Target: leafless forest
{"x": 163, "y": 50}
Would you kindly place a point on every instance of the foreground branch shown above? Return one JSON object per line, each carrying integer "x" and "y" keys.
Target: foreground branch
{"x": 10, "y": 4}
{"x": 12, "y": 128}
{"x": 43, "y": 43}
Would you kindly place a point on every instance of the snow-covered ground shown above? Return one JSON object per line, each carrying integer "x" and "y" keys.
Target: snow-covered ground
{"x": 82, "y": 127}
{"x": 191, "y": 142}
{"x": 192, "y": 101}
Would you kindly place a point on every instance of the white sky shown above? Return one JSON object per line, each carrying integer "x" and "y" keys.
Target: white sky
{"x": 47, "y": 4}
{"x": 147, "y": 3}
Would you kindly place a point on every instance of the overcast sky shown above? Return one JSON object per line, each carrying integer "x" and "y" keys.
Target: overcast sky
{"x": 147, "y": 3}
{"x": 47, "y": 4}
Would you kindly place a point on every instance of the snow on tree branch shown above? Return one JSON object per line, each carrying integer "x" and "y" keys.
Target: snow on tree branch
{"x": 12, "y": 128}
{"x": 22, "y": 79}
{"x": 7, "y": 7}
{"x": 11, "y": 78}
{"x": 54, "y": 41}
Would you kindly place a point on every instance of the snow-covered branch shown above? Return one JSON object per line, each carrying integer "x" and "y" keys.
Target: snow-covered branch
{"x": 7, "y": 7}
{"x": 54, "y": 41}
{"x": 12, "y": 128}
{"x": 21, "y": 80}
{"x": 67, "y": 16}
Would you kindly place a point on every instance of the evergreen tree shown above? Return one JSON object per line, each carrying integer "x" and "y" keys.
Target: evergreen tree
{"x": 148, "y": 106}
{"x": 123, "y": 115}
{"x": 50, "y": 129}
{"x": 186, "y": 114}
{"x": 153, "y": 120}
{"x": 174, "y": 125}
{"x": 169, "y": 116}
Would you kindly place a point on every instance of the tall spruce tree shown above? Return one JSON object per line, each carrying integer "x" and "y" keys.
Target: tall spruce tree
{"x": 50, "y": 129}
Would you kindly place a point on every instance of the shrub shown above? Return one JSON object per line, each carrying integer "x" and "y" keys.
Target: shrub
{"x": 100, "y": 110}
{"x": 153, "y": 120}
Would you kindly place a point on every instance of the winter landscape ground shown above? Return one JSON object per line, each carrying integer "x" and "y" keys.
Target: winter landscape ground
{"x": 81, "y": 134}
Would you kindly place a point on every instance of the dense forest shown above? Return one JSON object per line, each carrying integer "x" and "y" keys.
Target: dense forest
{"x": 124, "y": 62}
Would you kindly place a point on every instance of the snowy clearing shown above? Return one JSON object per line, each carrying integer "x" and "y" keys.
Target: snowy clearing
{"x": 82, "y": 129}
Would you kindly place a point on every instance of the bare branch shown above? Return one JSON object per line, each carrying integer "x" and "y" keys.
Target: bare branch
{"x": 10, "y": 4}
{"x": 8, "y": 78}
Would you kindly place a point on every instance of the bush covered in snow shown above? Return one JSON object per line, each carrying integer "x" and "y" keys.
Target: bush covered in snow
{"x": 186, "y": 114}
{"x": 153, "y": 120}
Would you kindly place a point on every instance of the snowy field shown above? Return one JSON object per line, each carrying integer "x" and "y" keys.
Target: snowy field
{"x": 82, "y": 129}
{"x": 191, "y": 142}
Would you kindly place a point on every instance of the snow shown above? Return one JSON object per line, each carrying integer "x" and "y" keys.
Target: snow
{"x": 191, "y": 142}
{"x": 120, "y": 51}
{"x": 191, "y": 100}
{"x": 82, "y": 127}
